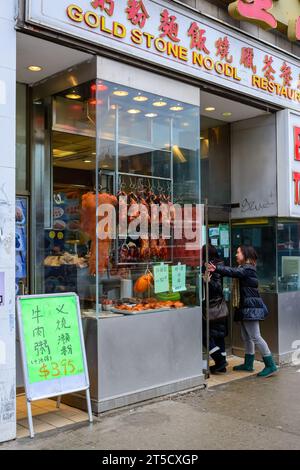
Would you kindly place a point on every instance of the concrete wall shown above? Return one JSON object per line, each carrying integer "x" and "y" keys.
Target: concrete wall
{"x": 217, "y": 9}
{"x": 253, "y": 167}
{"x": 7, "y": 219}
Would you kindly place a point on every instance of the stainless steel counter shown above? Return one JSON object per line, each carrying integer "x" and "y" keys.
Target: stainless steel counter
{"x": 137, "y": 357}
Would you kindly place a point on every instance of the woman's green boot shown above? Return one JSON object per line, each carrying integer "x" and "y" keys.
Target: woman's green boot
{"x": 248, "y": 364}
{"x": 270, "y": 367}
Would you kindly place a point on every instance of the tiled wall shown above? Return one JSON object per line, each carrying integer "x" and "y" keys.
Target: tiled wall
{"x": 7, "y": 219}
{"x": 217, "y": 9}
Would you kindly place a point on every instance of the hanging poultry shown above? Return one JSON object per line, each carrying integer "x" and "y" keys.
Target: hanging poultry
{"x": 88, "y": 224}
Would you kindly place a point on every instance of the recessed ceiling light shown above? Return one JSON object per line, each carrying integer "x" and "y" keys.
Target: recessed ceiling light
{"x": 120, "y": 93}
{"x": 87, "y": 161}
{"x": 210, "y": 108}
{"x": 35, "y": 68}
{"x": 73, "y": 96}
{"x": 140, "y": 98}
{"x": 159, "y": 103}
{"x": 151, "y": 115}
{"x": 227, "y": 114}
{"x": 176, "y": 108}
{"x": 185, "y": 124}
{"x": 133, "y": 111}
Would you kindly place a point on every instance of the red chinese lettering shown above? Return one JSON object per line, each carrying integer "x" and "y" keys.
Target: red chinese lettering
{"x": 247, "y": 58}
{"x": 296, "y": 179}
{"x": 198, "y": 40}
{"x": 223, "y": 46}
{"x": 256, "y": 11}
{"x": 137, "y": 13}
{"x": 297, "y": 143}
{"x": 286, "y": 74}
{"x": 268, "y": 68}
{"x": 168, "y": 26}
{"x": 105, "y": 5}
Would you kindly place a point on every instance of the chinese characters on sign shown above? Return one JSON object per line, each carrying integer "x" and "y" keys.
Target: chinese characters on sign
{"x": 179, "y": 278}
{"x": 137, "y": 13}
{"x": 161, "y": 278}
{"x": 296, "y": 174}
{"x": 52, "y": 338}
{"x": 182, "y": 41}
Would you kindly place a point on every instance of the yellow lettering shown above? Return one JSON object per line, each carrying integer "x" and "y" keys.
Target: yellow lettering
{"x": 183, "y": 53}
{"x": 103, "y": 26}
{"x": 92, "y": 19}
{"x": 75, "y": 13}
{"x": 136, "y": 36}
{"x": 149, "y": 38}
{"x": 119, "y": 30}
{"x": 197, "y": 59}
{"x": 160, "y": 45}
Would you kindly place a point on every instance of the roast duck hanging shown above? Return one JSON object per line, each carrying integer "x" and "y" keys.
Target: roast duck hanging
{"x": 146, "y": 248}
{"x": 88, "y": 224}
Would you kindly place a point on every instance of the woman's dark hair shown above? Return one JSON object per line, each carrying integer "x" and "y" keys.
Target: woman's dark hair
{"x": 249, "y": 254}
{"x": 213, "y": 254}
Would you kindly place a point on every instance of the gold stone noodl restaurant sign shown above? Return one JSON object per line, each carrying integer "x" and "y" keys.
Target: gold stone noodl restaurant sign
{"x": 162, "y": 33}
{"x": 283, "y": 15}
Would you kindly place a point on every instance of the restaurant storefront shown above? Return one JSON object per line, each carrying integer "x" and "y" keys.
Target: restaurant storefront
{"x": 165, "y": 108}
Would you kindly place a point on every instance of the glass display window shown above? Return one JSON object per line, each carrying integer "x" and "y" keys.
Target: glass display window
{"x": 261, "y": 234}
{"x": 288, "y": 255}
{"x": 124, "y": 230}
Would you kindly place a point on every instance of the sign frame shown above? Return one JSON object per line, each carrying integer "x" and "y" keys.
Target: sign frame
{"x": 32, "y": 395}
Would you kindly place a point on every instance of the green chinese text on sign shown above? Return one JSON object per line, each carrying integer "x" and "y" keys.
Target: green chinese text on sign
{"x": 52, "y": 337}
{"x": 179, "y": 278}
{"x": 161, "y": 278}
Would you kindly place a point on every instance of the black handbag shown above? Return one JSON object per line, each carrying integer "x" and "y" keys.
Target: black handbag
{"x": 218, "y": 310}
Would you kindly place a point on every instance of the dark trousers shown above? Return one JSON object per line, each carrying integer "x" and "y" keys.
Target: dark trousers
{"x": 216, "y": 341}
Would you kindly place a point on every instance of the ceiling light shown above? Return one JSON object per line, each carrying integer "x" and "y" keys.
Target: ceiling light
{"x": 176, "y": 108}
{"x": 73, "y": 96}
{"x": 113, "y": 106}
{"x": 34, "y": 68}
{"x": 227, "y": 114}
{"x": 210, "y": 108}
{"x": 201, "y": 137}
{"x": 151, "y": 115}
{"x": 140, "y": 98}
{"x": 159, "y": 103}
{"x": 185, "y": 124}
{"x": 133, "y": 111}
{"x": 62, "y": 153}
{"x": 87, "y": 161}
{"x": 121, "y": 93}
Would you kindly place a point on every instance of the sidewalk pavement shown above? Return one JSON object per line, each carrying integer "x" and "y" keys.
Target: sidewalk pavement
{"x": 252, "y": 413}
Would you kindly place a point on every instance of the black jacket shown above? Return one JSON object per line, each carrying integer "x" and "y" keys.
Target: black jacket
{"x": 217, "y": 329}
{"x": 251, "y": 306}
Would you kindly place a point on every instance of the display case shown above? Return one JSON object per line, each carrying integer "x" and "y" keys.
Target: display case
{"x": 125, "y": 225}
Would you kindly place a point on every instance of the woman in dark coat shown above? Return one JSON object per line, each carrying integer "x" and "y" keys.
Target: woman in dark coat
{"x": 218, "y": 330}
{"x": 249, "y": 308}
